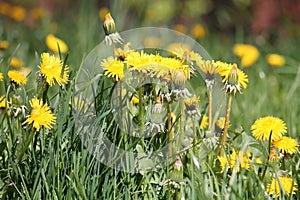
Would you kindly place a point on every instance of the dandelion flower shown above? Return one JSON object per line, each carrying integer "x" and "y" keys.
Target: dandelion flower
{"x": 288, "y": 185}
{"x": 204, "y": 122}
{"x": 275, "y": 60}
{"x": 286, "y": 145}
{"x": 1, "y": 76}
{"x": 18, "y": 13}
{"x": 265, "y": 126}
{"x": 113, "y": 68}
{"x": 243, "y": 159}
{"x": 233, "y": 78}
{"x": 223, "y": 163}
{"x": 221, "y": 123}
{"x": 248, "y": 54}
{"x": 51, "y": 68}
{"x": 53, "y": 42}
{"x": 109, "y": 28}
{"x": 40, "y": 115}
{"x": 2, "y": 101}
{"x": 198, "y": 31}
{"x": 17, "y": 77}
{"x": 5, "y": 8}
{"x": 4, "y": 44}
{"x": 180, "y": 28}
{"x": 209, "y": 68}
{"x": 15, "y": 62}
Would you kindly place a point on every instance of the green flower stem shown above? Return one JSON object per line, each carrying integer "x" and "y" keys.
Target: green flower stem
{"x": 170, "y": 131}
{"x": 27, "y": 143}
{"x": 209, "y": 109}
{"x": 224, "y": 135}
{"x": 195, "y": 133}
{"x": 218, "y": 110}
{"x": 141, "y": 111}
{"x": 181, "y": 125}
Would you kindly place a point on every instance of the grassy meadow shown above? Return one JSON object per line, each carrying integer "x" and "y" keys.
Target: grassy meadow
{"x": 82, "y": 118}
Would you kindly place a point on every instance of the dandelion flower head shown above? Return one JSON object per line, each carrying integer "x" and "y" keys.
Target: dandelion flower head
{"x": 248, "y": 54}
{"x": 40, "y": 115}
{"x": 53, "y": 42}
{"x": 113, "y": 68}
{"x": 275, "y": 60}
{"x": 265, "y": 126}
{"x": 286, "y": 145}
{"x": 287, "y": 183}
{"x": 51, "y": 68}
{"x": 17, "y": 77}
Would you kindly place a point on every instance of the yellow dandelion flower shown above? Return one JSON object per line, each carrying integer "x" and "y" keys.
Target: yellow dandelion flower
{"x": 233, "y": 78}
{"x": 51, "y": 68}
{"x": 275, "y": 60}
{"x": 178, "y": 47}
{"x": 4, "y": 44}
{"x": 221, "y": 123}
{"x": 36, "y": 13}
{"x": 208, "y": 67}
{"x": 165, "y": 65}
{"x": 17, "y": 77}
{"x": 1, "y": 76}
{"x": 204, "y": 122}
{"x": 248, "y": 53}
{"x": 113, "y": 68}
{"x": 141, "y": 62}
{"x": 186, "y": 54}
{"x": 286, "y": 145}
{"x": 40, "y": 115}
{"x": 15, "y": 62}
{"x": 223, "y": 163}
{"x": 53, "y": 42}
{"x": 2, "y": 101}
{"x": 135, "y": 100}
{"x": 242, "y": 158}
{"x": 198, "y": 31}
{"x": 288, "y": 185}
{"x": 191, "y": 101}
{"x": 18, "y": 13}
{"x": 5, "y": 8}
{"x": 263, "y": 127}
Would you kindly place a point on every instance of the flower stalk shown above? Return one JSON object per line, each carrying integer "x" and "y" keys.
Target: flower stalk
{"x": 225, "y": 131}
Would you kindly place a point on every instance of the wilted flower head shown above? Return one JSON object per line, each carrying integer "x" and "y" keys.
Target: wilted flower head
{"x": 283, "y": 183}
{"x": 275, "y": 60}
{"x": 51, "y": 68}
{"x": 265, "y": 126}
{"x": 40, "y": 115}
{"x": 53, "y": 42}
{"x": 248, "y": 53}
{"x": 209, "y": 68}
{"x": 233, "y": 78}
{"x": 286, "y": 145}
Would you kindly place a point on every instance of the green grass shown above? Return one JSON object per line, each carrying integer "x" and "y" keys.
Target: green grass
{"x": 58, "y": 165}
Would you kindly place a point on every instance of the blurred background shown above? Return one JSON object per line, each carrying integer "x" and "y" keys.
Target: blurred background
{"x": 79, "y": 24}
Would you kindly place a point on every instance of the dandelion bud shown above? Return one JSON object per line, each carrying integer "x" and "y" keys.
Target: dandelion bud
{"x": 179, "y": 78}
{"x": 109, "y": 24}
